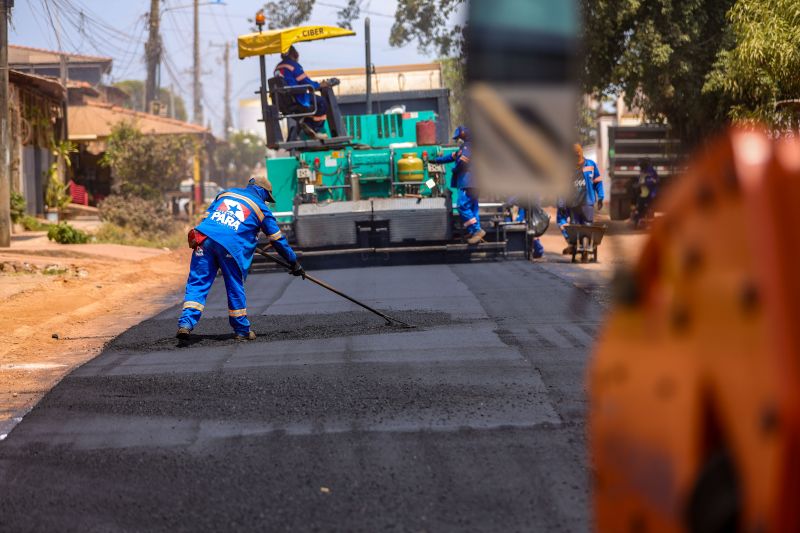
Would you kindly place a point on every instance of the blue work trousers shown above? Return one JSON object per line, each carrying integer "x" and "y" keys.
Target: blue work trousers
{"x": 206, "y": 259}
{"x": 574, "y": 215}
{"x": 583, "y": 214}
{"x": 467, "y": 204}
{"x": 538, "y": 249}
{"x": 562, "y": 217}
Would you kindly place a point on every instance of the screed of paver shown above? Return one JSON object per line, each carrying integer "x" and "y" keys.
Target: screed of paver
{"x": 452, "y": 426}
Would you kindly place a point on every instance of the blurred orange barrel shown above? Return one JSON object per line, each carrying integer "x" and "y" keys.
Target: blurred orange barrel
{"x": 426, "y": 133}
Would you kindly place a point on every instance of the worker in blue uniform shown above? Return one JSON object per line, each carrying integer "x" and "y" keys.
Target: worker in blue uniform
{"x": 587, "y": 193}
{"x": 467, "y": 200}
{"x": 645, "y": 191}
{"x": 293, "y": 74}
{"x": 225, "y": 240}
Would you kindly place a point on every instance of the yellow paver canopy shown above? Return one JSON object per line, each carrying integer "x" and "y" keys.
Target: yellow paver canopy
{"x": 279, "y": 41}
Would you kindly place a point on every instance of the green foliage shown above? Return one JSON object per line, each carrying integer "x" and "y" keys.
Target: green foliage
{"x": 56, "y": 195}
{"x": 587, "y": 125}
{"x": 114, "y": 234}
{"x": 658, "y": 53}
{"x": 33, "y": 224}
{"x": 430, "y": 23}
{"x": 146, "y": 165}
{"x": 135, "y": 89}
{"x": 453, "y": 77}
{"x": 63, "y": 233}
{"x": 760, "y": 68}
{"x": 17, "y": 207}
{"x": 168, "y": 98}
{"x": 287, "y": 13}
{"x": 240, "y": 155}
{"x": 139, "y": 216}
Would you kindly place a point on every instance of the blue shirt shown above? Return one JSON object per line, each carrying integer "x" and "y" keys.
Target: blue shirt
{"x": 460, "y": 177}
{"x": 234, "y": 219}
{"x": 293, "y": 74}
{"x": 594, "y": 182}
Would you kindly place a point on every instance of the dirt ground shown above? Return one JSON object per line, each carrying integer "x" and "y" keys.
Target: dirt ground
{"x": 62, "y": 304}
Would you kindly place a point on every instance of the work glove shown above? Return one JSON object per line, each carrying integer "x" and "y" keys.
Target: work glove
{"x": 600, "y": 204}
{"x": 297, "y": 270}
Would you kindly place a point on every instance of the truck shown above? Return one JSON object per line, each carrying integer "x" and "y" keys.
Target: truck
{"x": 627, "y": 146}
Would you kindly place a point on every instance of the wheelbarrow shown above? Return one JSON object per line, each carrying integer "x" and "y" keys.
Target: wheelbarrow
{"x": 584, "y": 239}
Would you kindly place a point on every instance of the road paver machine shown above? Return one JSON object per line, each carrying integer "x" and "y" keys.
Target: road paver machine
{"x": 367, "y": 191}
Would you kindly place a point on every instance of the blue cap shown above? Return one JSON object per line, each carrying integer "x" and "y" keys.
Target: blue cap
{"x": 461, "y": 131}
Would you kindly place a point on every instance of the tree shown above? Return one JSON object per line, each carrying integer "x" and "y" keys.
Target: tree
{"x": 240, "y": 155}
{"x": 146, "y": 165}
{"x": 424, "y": 21}
{"x": 429, "y": 23}
{"x": 761, "y": 67}
{"x": 453, "y": 77}
{"x": 135, "y": 89}
{"x": 658, "y": 54}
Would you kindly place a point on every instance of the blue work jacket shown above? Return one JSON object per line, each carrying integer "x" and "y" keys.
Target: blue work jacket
{"x": 234, "y": 219}
{"x": 460, "y": 176}
{"x": 292, "y": 72}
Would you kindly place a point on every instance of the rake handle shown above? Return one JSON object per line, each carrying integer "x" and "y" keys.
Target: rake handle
{"x": 324, "y": 285}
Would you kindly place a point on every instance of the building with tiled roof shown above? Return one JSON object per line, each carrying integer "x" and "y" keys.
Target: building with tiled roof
{"x": 92, "y": 120}
{"x": 80, "y": 67}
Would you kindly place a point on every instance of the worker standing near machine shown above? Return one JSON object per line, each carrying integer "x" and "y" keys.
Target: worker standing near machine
{"x": 588, "y": 189}
{"x": 587, "y": 193}
{"x": 293, "y": 74}
{"x": 467, "y": 201}
{"x": 226, "y": 240}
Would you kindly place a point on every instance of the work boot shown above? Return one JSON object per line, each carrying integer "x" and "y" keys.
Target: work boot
{"x": 183, "y": 334}
{"x": 569, "y": 250}
{"x": 250, "y": 336}
{"x": 476, "y": 237}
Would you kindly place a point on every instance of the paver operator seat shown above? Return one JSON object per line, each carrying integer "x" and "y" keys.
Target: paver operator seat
{"x": 285, "y": 106}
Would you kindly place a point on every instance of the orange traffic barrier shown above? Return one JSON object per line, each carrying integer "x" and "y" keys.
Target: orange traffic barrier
{"x": 694, "y": 420}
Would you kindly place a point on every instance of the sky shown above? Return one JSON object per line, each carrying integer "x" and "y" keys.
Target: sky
{"x": 118, "y": 29}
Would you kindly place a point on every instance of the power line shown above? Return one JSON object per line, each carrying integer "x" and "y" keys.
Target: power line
{"x": 364, "y": 11}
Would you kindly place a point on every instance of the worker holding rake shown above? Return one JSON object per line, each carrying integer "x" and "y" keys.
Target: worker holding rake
{"x": 226, "y": 240}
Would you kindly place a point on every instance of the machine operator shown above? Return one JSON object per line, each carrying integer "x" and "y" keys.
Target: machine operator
{"x": 293, "y": 74}
{"x": 226, "y": 240}
{"x": 467, "y": 202}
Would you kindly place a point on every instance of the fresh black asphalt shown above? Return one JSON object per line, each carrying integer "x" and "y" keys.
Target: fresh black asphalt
{"x": 330, "y": 420}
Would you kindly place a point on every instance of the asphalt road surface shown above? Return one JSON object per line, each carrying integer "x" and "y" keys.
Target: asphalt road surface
{"x": 331, "y": 420}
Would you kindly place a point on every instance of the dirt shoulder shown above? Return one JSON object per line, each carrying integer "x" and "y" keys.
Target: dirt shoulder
{"x": 82, "y": 294}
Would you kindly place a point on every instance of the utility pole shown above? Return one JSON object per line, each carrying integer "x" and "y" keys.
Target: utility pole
{"x": 227, "y": 122}
{"x": 368, "y": 53}
{"x": 171, "y": 101}
{"x": 152, "y": 51}
{"x": 5, "y": 155}
{"x": 197, "y": 96}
